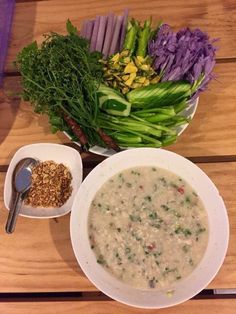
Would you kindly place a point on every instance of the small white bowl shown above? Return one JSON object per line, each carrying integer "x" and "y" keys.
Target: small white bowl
{"x": 217, "y": 218}
{"x": 46, "y": 151}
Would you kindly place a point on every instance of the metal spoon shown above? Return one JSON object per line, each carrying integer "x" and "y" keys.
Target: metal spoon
{"x": 21, "y": 182}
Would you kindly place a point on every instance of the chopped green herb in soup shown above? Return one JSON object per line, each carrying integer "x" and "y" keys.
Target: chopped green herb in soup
{"x": 148, "y": 227}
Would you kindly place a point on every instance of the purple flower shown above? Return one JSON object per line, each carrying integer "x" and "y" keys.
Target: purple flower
{"x": 185, "y": 55}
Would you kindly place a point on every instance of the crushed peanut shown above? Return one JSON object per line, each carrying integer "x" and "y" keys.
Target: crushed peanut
{"x": 51, "y": 185}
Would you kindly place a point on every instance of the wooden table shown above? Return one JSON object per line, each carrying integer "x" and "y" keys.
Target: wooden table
{"x": 38, "y": 270}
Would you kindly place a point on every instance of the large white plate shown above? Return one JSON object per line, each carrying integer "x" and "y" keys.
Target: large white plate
{"x": 217, "y": 217}
{"x": 188, "y": 113}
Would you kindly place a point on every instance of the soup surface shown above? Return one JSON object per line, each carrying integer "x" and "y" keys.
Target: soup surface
{"x": 148, "y": 227}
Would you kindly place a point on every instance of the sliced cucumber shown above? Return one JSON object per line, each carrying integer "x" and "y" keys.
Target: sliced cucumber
{"x": 113, "y": 102}
{"x": 159, "y": 95}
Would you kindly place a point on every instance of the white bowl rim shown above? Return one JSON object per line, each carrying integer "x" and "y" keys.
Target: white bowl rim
{"x": 75, "y": 230}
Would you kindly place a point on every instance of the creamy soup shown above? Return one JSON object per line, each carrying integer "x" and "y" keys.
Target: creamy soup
{"x": 148, "y": 227}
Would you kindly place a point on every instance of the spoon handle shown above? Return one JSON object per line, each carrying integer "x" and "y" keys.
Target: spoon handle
{"x": 13, "y": 213}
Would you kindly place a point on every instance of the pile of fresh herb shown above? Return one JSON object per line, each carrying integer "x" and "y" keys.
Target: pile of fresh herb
{"x": 61, "y": 78}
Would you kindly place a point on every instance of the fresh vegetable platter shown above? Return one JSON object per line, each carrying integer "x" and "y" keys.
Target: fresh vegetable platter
{"x": 119, "y": 82}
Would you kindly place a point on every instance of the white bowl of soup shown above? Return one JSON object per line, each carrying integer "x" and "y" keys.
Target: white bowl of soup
{"x": 145, "y": 228}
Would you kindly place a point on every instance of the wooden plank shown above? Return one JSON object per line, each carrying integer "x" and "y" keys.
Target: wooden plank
{"x": 38, "y": 256}
{"x": 22, "y": 126}
{"x": 224, "y": 176}
{"x": 32, "y": 19}
{"x": 111, "y": 307}
{"x": 19, "y": 125}
{"x": 211, "y": 133}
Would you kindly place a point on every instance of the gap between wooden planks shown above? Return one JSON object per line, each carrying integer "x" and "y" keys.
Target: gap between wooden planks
{"x": 32, "y": 258}
{"x": 33, "y": 19}
{"x": 91, "y": 296}
{"x": 87, "y": 296}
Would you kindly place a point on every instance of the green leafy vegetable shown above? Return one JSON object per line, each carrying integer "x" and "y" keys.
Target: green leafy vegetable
{"x": 61, "y": 78}
{"x": 71, "y": 29}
